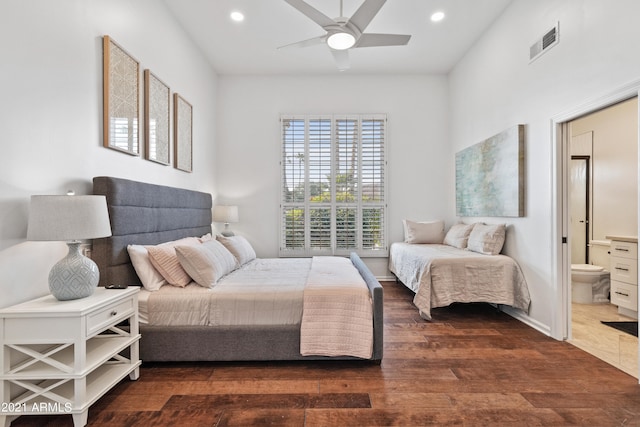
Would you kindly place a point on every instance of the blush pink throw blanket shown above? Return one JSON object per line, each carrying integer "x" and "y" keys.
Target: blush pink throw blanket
{"x": 337, "y": 317}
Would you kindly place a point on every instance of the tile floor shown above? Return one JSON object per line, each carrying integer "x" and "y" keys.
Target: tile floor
{"x": 614, "y": 347}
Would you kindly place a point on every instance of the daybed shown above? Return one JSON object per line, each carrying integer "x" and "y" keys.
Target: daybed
{"x": 462, "y": 266}
{"x": 205, "y": 323}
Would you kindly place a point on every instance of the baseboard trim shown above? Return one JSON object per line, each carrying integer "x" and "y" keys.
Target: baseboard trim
{"x": 521, "y": 316}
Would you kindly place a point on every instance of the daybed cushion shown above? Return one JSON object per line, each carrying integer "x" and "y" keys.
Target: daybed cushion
{"x": 163, "y": 258}
{"x": 207, "y": 262}
{"x": 239, "y": 247}
{"x": 423, "y": 232}
{"x": 151, "y": 279}
{"x": 487, "y": 239}
{"x": 458, "y": 235}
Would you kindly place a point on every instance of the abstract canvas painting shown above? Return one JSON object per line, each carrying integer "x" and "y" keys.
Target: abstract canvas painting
{"x": 490, "y": 176}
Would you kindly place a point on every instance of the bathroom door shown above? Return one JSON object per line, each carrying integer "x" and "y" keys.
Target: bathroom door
{"x": 579, "y": 206}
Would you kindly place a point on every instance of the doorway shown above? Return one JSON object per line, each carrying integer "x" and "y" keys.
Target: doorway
{"x": 574, "y": 220}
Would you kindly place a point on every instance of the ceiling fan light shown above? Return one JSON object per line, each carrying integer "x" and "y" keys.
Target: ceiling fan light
{"x": 237, "y": 16}
{"x": 341, "y": 41}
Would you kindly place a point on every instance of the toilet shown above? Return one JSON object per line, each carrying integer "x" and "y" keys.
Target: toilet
{"x": 590, "y": 282}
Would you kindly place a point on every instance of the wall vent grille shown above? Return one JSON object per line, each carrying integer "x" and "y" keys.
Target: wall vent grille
{"x": 546, "y": 42}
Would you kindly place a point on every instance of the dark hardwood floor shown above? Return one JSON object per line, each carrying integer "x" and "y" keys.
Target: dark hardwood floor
{"x": 471, "y": 365}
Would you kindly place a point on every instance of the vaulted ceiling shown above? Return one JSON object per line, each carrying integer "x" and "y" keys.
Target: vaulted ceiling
{"x": 251, "y": 46}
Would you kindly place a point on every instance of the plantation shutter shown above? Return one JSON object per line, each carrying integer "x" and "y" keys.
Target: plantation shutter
{"x": 333, "y": 185}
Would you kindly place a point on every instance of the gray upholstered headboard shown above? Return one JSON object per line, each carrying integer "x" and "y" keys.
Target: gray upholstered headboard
{"x": 144, "y": 214}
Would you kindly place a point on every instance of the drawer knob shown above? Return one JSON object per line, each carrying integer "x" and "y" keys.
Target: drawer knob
{"x": 622, "y": 269}
{"x": 623, "y": 294}
{"x": 113, "y": 313}
{"x": 622, "y": 249}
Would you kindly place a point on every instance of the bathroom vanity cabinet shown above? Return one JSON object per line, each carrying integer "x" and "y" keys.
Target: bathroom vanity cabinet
{"x": 624, "y": 274}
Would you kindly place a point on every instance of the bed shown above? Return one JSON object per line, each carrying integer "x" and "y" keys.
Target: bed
{"x": 210, "y": 329}
{"x": 464, "y": 265}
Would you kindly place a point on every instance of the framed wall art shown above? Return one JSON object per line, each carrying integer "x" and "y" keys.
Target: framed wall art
{"x": 121, "y": 99}
{"x": 182, "y": 138}
{"x": 490, "y": 176}
{"x": 157, "y": 117}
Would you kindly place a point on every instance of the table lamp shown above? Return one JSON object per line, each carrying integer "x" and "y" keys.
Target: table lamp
{"x": 225, "y": 214}
{"x": 70, "y": 218}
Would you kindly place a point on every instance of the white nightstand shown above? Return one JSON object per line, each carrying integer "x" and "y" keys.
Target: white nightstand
{"x": 59, "y": 357}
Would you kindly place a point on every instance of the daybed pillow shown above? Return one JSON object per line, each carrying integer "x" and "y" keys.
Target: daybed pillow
{"x": 487, "y": 239}
{"x": 206, "y": 263}
{"x": 151, "y": 279}
{"x": 239, "y": 247}
{"x": 163, "y": 258}
{"x": 458, "y": 235}
{"x": 423, "y": 232}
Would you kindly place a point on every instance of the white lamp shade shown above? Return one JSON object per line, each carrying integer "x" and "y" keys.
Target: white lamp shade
{"x": 68, "y": 218}
{"x": 225, "y": 214}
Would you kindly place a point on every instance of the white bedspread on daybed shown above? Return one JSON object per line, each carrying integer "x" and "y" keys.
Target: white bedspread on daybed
{"x": 441, "y": 275}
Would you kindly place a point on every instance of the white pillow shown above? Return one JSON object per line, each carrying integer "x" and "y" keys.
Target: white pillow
{"x": 423, "y": 232}
{"x": 487, "y": 239}
{"x": 239, "y": 247}
{"x": 206, "y": 263}
{"x": 206, "y": 237}
{"x": 151, "y": 279}
{"x": 458, "y": 235}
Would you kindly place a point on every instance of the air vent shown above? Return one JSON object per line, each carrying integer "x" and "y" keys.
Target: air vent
{"x": 546, "y": 42}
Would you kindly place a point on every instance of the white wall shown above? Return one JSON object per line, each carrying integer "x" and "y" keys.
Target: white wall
{"x": 495, "y": 87}
{"x": 614, "y": 186}
{"x": 51, "y": 113}
{"x": 248, "y": 153}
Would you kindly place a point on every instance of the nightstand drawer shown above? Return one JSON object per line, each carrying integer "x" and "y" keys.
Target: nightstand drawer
{"x": 109, "y": 315}
{"x": 624, "y": 270}
{"x": 624, "y": 249}
{"x": 624, "y": 295}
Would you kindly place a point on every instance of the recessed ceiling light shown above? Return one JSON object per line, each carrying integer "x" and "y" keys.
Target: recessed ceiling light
{"x": 437, "y": 16}
{"x": 237, "y": 16}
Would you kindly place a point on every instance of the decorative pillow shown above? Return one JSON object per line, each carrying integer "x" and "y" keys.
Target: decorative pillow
{"x": 206, "y": 263}
{"x": 239, "y": 247}
{"x": 458, "y": 235}
{"x": 163, "y": 258}
{"x": 487, "y": 239}
{"x": 423, "y": 232}
{"x": 151, "y": 279}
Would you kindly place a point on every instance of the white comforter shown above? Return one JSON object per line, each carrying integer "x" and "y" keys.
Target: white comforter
{"x": 441, "y": 275}
{"x": 261, "y": 292}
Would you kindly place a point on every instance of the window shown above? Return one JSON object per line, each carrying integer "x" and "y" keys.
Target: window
{"x": 333, "y": 185}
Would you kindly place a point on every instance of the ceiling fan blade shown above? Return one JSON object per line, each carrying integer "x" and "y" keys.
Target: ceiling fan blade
{"x": 342, "y": 59}
{"x": 366, "y": 13}
{"x": 373, "y": 40}
{"x": 305, "y": 43}
{"x": 312, "y": 13}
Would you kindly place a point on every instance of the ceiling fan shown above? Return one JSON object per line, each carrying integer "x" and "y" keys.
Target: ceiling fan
{"x": 344, "y": 33}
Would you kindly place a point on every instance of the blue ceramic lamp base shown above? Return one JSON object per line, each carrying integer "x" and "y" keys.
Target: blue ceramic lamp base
{"x": 74, "y": 276}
